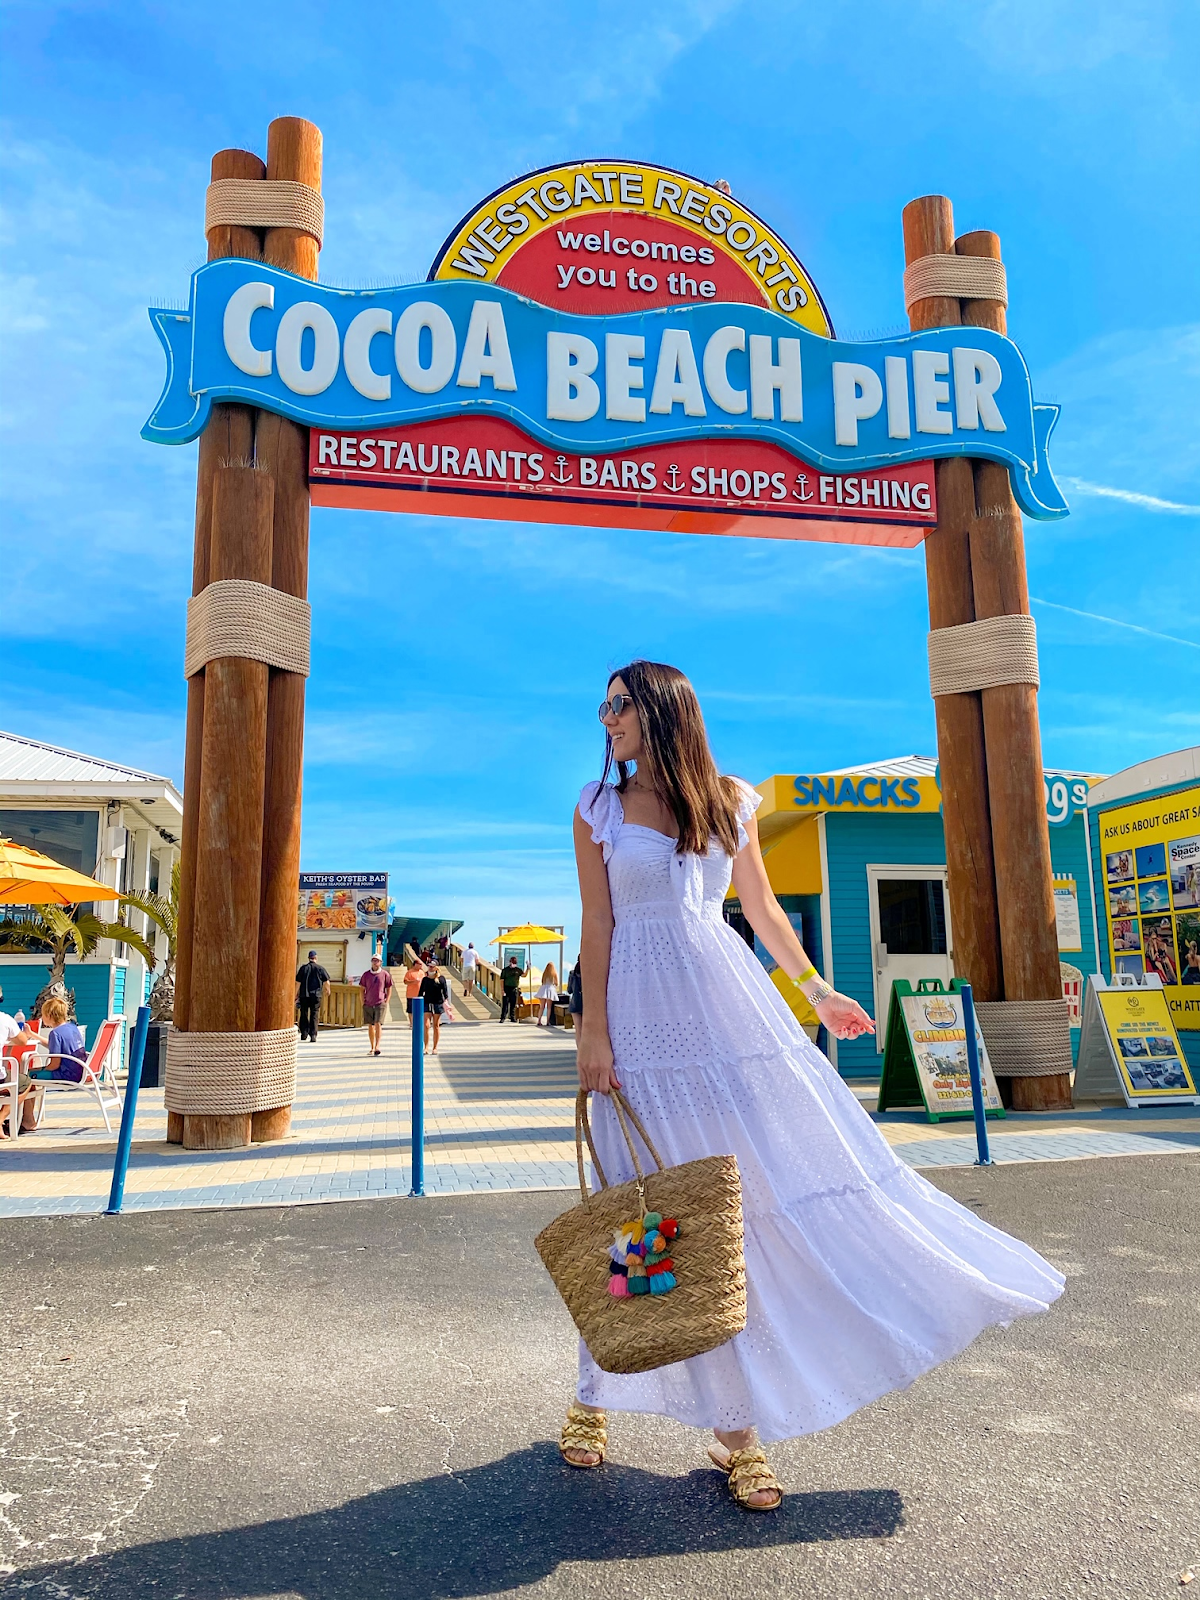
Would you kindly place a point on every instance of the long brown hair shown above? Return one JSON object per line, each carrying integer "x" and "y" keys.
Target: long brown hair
{"x": 677, "y": 760}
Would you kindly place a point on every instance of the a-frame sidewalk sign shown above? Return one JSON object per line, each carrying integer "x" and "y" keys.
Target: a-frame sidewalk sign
{"x": 1128, "y": 1044}
{"x": 925, "y": 1053}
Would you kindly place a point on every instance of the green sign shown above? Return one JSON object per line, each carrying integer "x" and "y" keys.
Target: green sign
{"x": 925, "y": 1053}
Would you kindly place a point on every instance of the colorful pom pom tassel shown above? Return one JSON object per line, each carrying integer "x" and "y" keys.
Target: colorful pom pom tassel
{"x": 652, "y": 1219}
{"x": 638, "y": 1285}
{"x": 661, "y": 1283}
{"x": 669, "y": 1227}
{"x": 619, "y": 1286}
{"x": 665, "y": 1265}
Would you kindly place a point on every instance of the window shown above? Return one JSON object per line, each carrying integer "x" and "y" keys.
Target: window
{"x": 68, "y": 837}
{"x": 912, "y": 916}
{"x": 736, "y": 918}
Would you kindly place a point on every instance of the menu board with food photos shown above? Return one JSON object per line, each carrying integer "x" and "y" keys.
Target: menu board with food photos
{"x": 354, "y": 902}
{"x": 1150, "y": 853}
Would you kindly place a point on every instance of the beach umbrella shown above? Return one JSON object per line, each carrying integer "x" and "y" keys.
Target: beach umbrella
{"x": 532, "y": 933}
{"x": 28, "y": 878}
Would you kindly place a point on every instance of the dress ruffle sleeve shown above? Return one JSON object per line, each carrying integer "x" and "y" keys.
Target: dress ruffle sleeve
{"x": 748, "y": 803}
{"x": 600, "y": 808}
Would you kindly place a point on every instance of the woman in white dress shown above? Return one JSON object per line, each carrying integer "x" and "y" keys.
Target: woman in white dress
{"x": 861, "y": 1275}
{"x": 548, "y": 993}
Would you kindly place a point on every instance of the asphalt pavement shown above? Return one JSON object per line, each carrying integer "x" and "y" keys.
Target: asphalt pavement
{"x": 339, "y": 1402}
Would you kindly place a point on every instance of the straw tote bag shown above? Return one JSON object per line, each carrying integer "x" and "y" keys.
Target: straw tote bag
{"x": 706, "y": 1304}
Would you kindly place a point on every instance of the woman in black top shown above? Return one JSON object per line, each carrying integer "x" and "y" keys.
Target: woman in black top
{"x": 435, "y": 992}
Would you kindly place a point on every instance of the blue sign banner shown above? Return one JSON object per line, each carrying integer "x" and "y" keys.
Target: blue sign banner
{"x": 349, "y": 359}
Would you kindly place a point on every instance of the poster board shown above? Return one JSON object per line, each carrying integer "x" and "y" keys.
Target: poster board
{"x": 352, "y": 902}
{"x": 1066, "y": 916}
{"x": 1129, "y": 1045}
{"x": 925, "y": 1053}
{"x": 1150, "y": 884}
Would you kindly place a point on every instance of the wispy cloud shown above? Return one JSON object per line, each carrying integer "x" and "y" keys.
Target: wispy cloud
{"x": 1129, "y": 407}
{"x": 1115, "y": 622}
{"x": 1147, "y": 502}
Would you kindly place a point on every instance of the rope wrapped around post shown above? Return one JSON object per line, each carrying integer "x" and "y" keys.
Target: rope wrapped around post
{"x": 1026, "y": 1038}
{"x": 237, "y": 617}
{"x": 264, "y": 203}
{"x": 230, "y": 1074}
{"x": 956, "y": 278}
{"x": 983, "y": 655}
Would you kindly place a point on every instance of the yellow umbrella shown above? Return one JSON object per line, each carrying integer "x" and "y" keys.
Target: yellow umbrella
{"x": 532, "y": 933}
{"x": 528, "y": 933}
{"x": 28, "y": 878}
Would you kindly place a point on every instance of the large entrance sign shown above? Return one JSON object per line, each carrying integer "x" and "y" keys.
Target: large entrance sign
{"x": 606, "y": 343}
{"x": 703, "y": 393}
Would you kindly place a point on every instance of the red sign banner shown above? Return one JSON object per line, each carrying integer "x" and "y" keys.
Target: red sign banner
{"x": 747, "y": 487}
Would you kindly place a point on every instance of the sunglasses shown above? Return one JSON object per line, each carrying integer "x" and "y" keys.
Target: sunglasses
{"x": 615, "y": 706}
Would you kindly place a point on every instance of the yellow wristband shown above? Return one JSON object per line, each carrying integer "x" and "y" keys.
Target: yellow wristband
{"x": 809, "y": 972}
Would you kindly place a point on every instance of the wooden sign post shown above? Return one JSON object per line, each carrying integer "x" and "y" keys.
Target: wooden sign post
{"x": 240, "y": 857}
{"x": 989, "y": 745}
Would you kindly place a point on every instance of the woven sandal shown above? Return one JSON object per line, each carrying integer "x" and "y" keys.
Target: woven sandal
{"x": 749, "y": 1472}
{"x": 584, "y": 1430}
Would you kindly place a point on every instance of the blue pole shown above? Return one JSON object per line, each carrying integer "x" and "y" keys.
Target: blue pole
{"x": 418, "y": 1098}
{"x": 137, "y": 1051}
{"x": 984, "y": 1158}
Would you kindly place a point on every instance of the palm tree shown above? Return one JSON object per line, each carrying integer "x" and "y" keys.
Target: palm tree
{"x": 63, "y": 933}
{"x": 163, "y": 911}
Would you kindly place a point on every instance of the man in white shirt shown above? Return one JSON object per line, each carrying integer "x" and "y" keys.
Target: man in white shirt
{"x": 470, "y": 961}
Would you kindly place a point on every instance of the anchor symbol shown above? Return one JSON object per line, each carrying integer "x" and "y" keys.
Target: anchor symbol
{"x": 562, "y": 475}
{"x": 672, "y": 483}
{"x": 801, "y": 493}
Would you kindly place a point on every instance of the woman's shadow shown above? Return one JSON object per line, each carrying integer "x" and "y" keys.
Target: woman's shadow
{"x": 487, "y": 1529}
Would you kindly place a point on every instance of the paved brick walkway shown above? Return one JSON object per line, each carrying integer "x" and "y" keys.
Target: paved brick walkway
{"x": 499, "y": 1116}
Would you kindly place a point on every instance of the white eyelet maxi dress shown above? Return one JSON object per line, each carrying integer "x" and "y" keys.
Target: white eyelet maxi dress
{"x": 861, "y": 1275}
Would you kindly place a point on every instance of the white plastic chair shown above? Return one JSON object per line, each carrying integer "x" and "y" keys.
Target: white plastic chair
{"x": 8, "y": 1091}
{"x": 99, "y": 1075}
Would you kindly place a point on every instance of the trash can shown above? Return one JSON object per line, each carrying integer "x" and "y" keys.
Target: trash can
{"x": 154, "y": 1062}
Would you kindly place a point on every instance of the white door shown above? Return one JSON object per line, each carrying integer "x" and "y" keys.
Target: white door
{"x": 910, "y": 931}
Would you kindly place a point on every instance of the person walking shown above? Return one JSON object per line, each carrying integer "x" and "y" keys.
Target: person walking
{"x": 312, "y": 982}
{"x": 860, "y": 1274}
{"x": 575, "y": 999}
{"x": 376, "y": 985}
{"x": 413, "y": 977}
{"x": 435, "y": 992}
{"x": 547, "y": 995}
{"x": 510, "y": 977}
{"x": 470, "y": 962}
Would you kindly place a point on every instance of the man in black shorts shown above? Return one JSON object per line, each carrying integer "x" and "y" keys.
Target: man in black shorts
{"x": 510, "y": 977}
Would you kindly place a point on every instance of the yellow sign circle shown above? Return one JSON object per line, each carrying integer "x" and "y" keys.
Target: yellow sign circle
{"x": 490, "y": 237}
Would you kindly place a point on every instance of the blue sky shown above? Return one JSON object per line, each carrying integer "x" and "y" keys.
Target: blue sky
{"x": 457, "y": 664}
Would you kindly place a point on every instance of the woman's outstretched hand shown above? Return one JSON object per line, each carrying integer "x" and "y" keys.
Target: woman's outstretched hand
{"x": 595, "y": 1062}
{"x": 844, "y": 1017}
